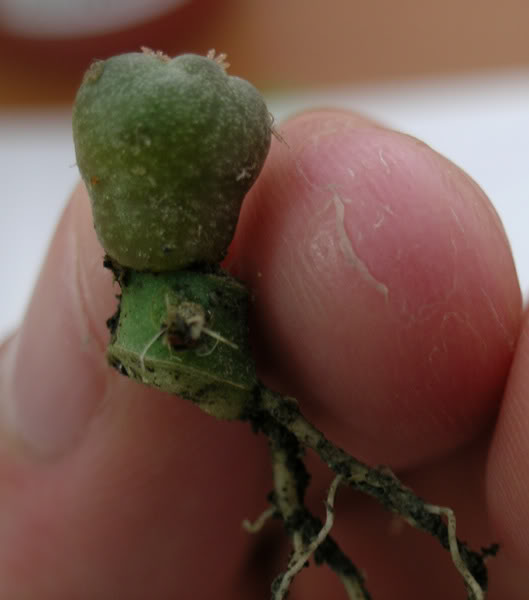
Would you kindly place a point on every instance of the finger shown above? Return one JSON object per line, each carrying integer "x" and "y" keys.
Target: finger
{"x": 385, "y": 291}
{"x": 111, "y": 490}
{"x": 508, "y": 469}
{"x": 59, "y": 347}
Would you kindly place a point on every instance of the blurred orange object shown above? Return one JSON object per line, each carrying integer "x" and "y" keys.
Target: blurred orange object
{"x": 43, "y": 55}
{"x": 280, "y": 44}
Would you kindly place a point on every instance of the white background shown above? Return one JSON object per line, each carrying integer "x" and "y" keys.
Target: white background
{"x": 480, "y": 122}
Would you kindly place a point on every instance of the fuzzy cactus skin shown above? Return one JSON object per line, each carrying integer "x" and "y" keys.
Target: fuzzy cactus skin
{"x": 168, "y": 149}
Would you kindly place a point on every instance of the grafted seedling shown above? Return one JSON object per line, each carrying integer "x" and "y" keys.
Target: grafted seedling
{"x": 168, "y": 147}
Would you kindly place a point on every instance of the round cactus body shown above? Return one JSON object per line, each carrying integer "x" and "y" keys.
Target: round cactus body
{"x": 168, "y": 149}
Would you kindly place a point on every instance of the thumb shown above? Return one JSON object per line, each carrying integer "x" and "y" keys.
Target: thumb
{"x": 53, "y": 371}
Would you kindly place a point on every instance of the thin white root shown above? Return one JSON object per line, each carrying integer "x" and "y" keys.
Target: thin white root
{"x": 219, "y": 338}
{"x": 353, "y": 588}
{"x": 459, "y": 563}
{"x": 299, "y": 559}
{"x": 210, "y": 351}
{"x": 259, "y": 523}
{"x": 287, "y": 496}
{"x": 148, "y": 346}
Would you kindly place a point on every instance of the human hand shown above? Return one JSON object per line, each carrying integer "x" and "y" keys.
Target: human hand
{"x": 385, "y": 299}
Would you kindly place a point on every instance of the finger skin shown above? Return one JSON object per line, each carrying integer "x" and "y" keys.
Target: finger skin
{"x": 58, "y": 348}
{"x": 386, "y": 297}
{"x": 423, "y": 371}
{"x": 508, "y": 468}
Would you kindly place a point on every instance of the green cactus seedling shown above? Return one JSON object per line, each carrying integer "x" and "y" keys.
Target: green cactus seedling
{"x": 168, "y": 148}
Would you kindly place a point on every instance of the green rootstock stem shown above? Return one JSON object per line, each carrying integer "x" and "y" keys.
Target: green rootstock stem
{"x": 185, "y": 332}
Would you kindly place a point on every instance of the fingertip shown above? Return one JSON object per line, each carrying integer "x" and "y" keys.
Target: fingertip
{"x": 385, "y": 291}
{"x": 508, "y": 465}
